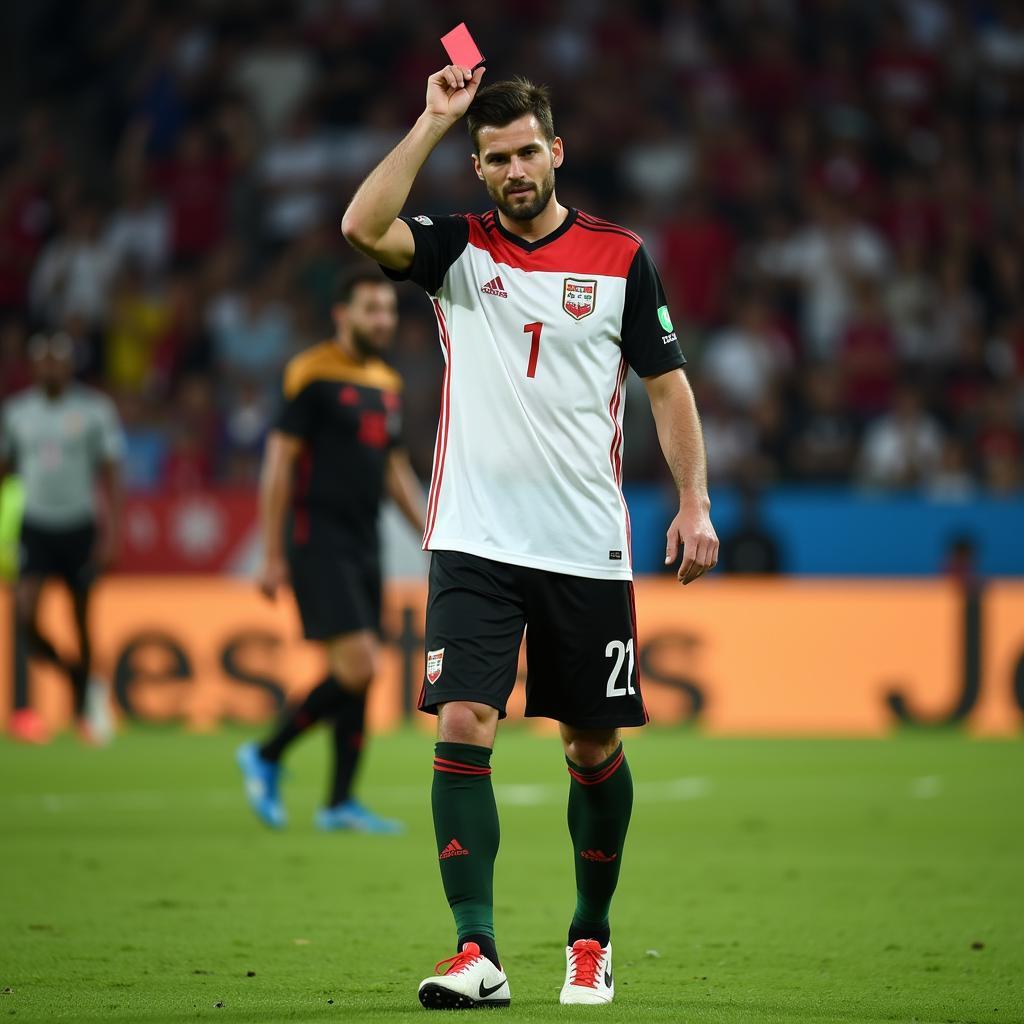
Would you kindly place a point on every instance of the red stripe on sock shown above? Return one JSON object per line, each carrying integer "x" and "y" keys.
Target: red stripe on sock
{"x": 605, "y": 773}
{"x": 459, "y": 771}
{"x": 474, "y": 768}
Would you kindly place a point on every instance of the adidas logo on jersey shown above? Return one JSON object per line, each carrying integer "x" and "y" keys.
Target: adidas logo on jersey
{"x": 453, "y": 849}
{"x": 495, "y": 287}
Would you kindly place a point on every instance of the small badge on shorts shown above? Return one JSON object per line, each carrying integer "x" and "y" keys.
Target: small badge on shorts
{"x": 615, "y": 556}
{"x": 435, "y": 659}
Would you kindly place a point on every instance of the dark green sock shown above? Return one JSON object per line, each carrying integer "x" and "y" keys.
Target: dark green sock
{"x": 600, "y": 803}
{"x": 466, "y": 829}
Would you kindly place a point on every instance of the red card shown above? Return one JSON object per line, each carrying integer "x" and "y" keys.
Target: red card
{"x": 461, "y": 48}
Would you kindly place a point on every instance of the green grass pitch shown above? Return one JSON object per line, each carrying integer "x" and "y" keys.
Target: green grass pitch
{"x": 804, "y": 881}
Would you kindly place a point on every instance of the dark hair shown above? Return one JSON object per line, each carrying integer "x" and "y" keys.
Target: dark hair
{"x": 501, "y": 103}
{"x": 349, "y": 280}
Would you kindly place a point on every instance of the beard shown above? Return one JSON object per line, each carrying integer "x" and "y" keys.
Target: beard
{"x": 527, "y": 209}
{"x": 367, "y": 345}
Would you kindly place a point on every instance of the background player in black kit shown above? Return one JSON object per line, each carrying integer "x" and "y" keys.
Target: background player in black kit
{"x": 332, "y": 455}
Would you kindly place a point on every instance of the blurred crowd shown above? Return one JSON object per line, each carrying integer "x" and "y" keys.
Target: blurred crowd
{"x": 832, "y": 190}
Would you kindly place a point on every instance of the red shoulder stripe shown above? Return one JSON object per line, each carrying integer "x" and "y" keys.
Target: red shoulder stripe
{"x": 612, "y": 231}
{"x": 600, "y": 222}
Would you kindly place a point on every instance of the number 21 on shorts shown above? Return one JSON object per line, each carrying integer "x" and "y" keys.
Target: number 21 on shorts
{"x": 618, "y": 650}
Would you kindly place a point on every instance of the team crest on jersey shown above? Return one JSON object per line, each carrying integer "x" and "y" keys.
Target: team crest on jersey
{"x": 578, "y": 297}
{"x": 435, "y": 659}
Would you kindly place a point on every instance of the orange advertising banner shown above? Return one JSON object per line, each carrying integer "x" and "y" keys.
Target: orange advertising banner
{"x": 779, "y": 657}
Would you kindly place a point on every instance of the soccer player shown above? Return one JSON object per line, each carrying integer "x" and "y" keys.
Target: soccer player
{"x": 63, "y": 439}
{"x": 333, "y": 453}
{"x": 541, "y": 309}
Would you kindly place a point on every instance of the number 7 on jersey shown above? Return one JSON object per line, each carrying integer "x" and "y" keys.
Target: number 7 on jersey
{"x": 534, "y": 330}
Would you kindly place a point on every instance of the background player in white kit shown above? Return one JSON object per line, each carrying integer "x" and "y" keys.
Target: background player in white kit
{"x": 63, "y": 439}
{"x": 540, "y": 310}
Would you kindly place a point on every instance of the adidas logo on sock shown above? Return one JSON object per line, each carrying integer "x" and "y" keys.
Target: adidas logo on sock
{"x": 598, "y": 855}
{"x": 495, "y": 287}
{"x": 453, "y": 849}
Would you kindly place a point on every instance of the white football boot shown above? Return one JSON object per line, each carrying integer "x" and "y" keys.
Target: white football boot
{"x": 464, "y": 982}
{"x": 588, "y": 974}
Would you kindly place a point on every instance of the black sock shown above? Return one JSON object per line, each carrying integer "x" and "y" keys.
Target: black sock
{"x": 348, "y": 729}
{"x": 486, "y": 944}
{"x": 79, "y": 676}
{"x": 40, "y": 647}
{"x": 320, "y": 702}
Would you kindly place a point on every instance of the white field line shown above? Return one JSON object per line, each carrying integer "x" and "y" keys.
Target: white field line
{"x": 508, "y": 795}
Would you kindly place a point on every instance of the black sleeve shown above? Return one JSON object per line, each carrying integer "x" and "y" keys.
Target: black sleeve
{"x": 649, "y": 340}
{"x": 440, "y": 241}
{"x": 297, "y": 413}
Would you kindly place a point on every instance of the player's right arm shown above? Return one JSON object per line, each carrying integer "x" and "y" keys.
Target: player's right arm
{"x": 275, "y": 496}
{"x": 371, "y": 222}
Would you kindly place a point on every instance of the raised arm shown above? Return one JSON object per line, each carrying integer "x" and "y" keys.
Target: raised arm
{"x": 371, "y": 222}
{"x": 682, "y": 442}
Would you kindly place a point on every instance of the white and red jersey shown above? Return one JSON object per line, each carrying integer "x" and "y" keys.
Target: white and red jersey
{"x": 537, "y": 340}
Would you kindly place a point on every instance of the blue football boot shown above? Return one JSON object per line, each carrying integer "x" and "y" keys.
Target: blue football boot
{"x": 352, "y": 816}
{"x": 261, "y": 779}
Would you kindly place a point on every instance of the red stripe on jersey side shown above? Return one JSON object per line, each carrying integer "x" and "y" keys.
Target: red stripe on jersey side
{"x": 615, "y": 452}
{"x": 441, "y": 445}
{"x": 582, "y": 250}
{"x": 636, "y": 647}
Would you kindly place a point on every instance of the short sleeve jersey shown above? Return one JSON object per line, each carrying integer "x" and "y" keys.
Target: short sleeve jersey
{"x": 56, "y": 446}
{"x": 537, "y": 339}
{"x": 348, "y": 414}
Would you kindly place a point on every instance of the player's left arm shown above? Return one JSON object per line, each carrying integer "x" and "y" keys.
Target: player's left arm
{"x": 404, "y": 489}
{"x": 682, "y": 442}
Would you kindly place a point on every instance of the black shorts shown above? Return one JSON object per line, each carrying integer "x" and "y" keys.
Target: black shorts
{"x": 580, "y": 641}
{"x": 67, "y": 554}
{"x": 337, "y": 584}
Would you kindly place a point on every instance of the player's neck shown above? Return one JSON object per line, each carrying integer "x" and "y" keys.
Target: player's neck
{"x": 548, "y": 220}
{"x": 53, "y": 392}
{"x": 348, "y": 348}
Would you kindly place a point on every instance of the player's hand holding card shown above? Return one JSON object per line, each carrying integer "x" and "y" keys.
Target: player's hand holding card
{"x": 451, "y": 90}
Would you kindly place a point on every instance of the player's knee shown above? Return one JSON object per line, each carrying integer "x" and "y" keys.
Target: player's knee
{"x": 352, "y": 671}
{"x": 467, "y": 722}
{"x": 589, "y": 748}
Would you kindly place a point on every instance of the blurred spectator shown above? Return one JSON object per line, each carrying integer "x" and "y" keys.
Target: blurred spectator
{"x": 24, "y": 219}
{"x": 138, "y": 231}
{"x": 295, "y": 171}
{"x": 952, "y": 479}
{"x": 251, "y": 333}
{"x": 195, "y": 183}
{"x": 139, "y": 317}
{"x": 696, "y": 257}
{"x": 867, "y": 355}
{"x": 75, "y": 272}
{"x": 902, "y": 448}
{"x": 824, "y": 257}
{"x": 750, "y": 356}
{"x": 15, "y": 369}
{"x": 275, "y": 75}
{"x": 824, "y": 444}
